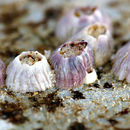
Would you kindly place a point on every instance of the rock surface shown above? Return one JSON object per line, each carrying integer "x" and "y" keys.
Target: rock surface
{"x": 29, "y": 25}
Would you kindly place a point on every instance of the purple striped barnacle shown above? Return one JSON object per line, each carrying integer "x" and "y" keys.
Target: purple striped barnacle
{"x": 77, "y": 19}
{"x": 121, "y": 63}
{"x": 29, "y": 72}
{"x": 99, "y": 39}
{"x": 73, "y": 63}
{"x": 2, "y": 73}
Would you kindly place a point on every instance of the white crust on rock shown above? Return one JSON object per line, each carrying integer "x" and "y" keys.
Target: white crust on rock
{"x": 90, "y": 77}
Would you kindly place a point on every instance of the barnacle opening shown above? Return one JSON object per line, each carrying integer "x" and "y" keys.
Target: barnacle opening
{"x": 84, "y": 11}
{"x": 73, "y": 48}
{"x": 30, "y": 58}
{"x": 96, "y": 30}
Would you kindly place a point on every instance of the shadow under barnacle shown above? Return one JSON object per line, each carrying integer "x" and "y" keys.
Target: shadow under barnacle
{"x": 104, "y": 69}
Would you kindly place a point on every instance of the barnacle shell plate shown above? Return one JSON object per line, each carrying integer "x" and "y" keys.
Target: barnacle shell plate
{"x": 121, "y": 63}
{"x": 29, "y": 76}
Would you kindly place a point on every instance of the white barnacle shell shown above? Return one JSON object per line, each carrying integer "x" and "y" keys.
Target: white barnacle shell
{"x": 97, "y": 36}
{"x": 29, "y": 72}
{"x": 121, "y": 63}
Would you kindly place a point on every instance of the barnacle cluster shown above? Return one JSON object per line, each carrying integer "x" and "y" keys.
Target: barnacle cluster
{"x": 77, "y": 19}
{"x": 121, "y": 63}
{"x": 89, "y": 24}
{"x": 87, "y": 43}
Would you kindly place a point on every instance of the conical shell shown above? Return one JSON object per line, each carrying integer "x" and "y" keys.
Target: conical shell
{"x": 121, "y": 63}
{"x": 29, "y": 72}
{"x": 72, "y": 64}
{"x": 99, "y": 39}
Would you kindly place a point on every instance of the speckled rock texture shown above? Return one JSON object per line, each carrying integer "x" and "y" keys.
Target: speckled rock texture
{"x": 30, "y": 25}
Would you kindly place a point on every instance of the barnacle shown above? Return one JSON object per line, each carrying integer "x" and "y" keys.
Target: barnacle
{"x": 29, "y": 72}
{"x": 121, "y": 63}
{"x": 2, "y": 73}
{"x": 99, "y": 38}
{"x": 77, "y": 19}
{"x": 73, "y": 63}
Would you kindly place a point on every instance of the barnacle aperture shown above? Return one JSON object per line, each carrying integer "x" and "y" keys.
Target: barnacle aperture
{"x": 84, "y": 11}
{"x": 77, "y": 19}
{"x": 72, "y": 61}
{"x": 29, "y": 72}
{"x": 121, "y": 63}
{"x": 96, "y": 30}
{"x": 30, "y": 59}
{"x": 2, "y": 73}
{"x": 72, "y": 49}
{"x": 100, "y": 39}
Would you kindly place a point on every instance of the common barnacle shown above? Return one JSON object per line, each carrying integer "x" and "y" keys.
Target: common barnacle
{"x": 100, "y": 39}
{"x": 29, "y": 72}
{"x": 2, "y": 73}
{"x": 73, "y": 63}
{"x": 77, "y": 19}
{"x": 121, "y": 63}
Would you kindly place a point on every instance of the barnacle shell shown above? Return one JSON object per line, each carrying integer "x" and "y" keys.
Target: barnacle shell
{"x": 29, "y": 72}
{"x": 2, "y": 73}
{"x": 99, "y": 38}
{"x": 72, "y": 62}
{"x": 77, "y": 19}
{"x": 121, "y": 63}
